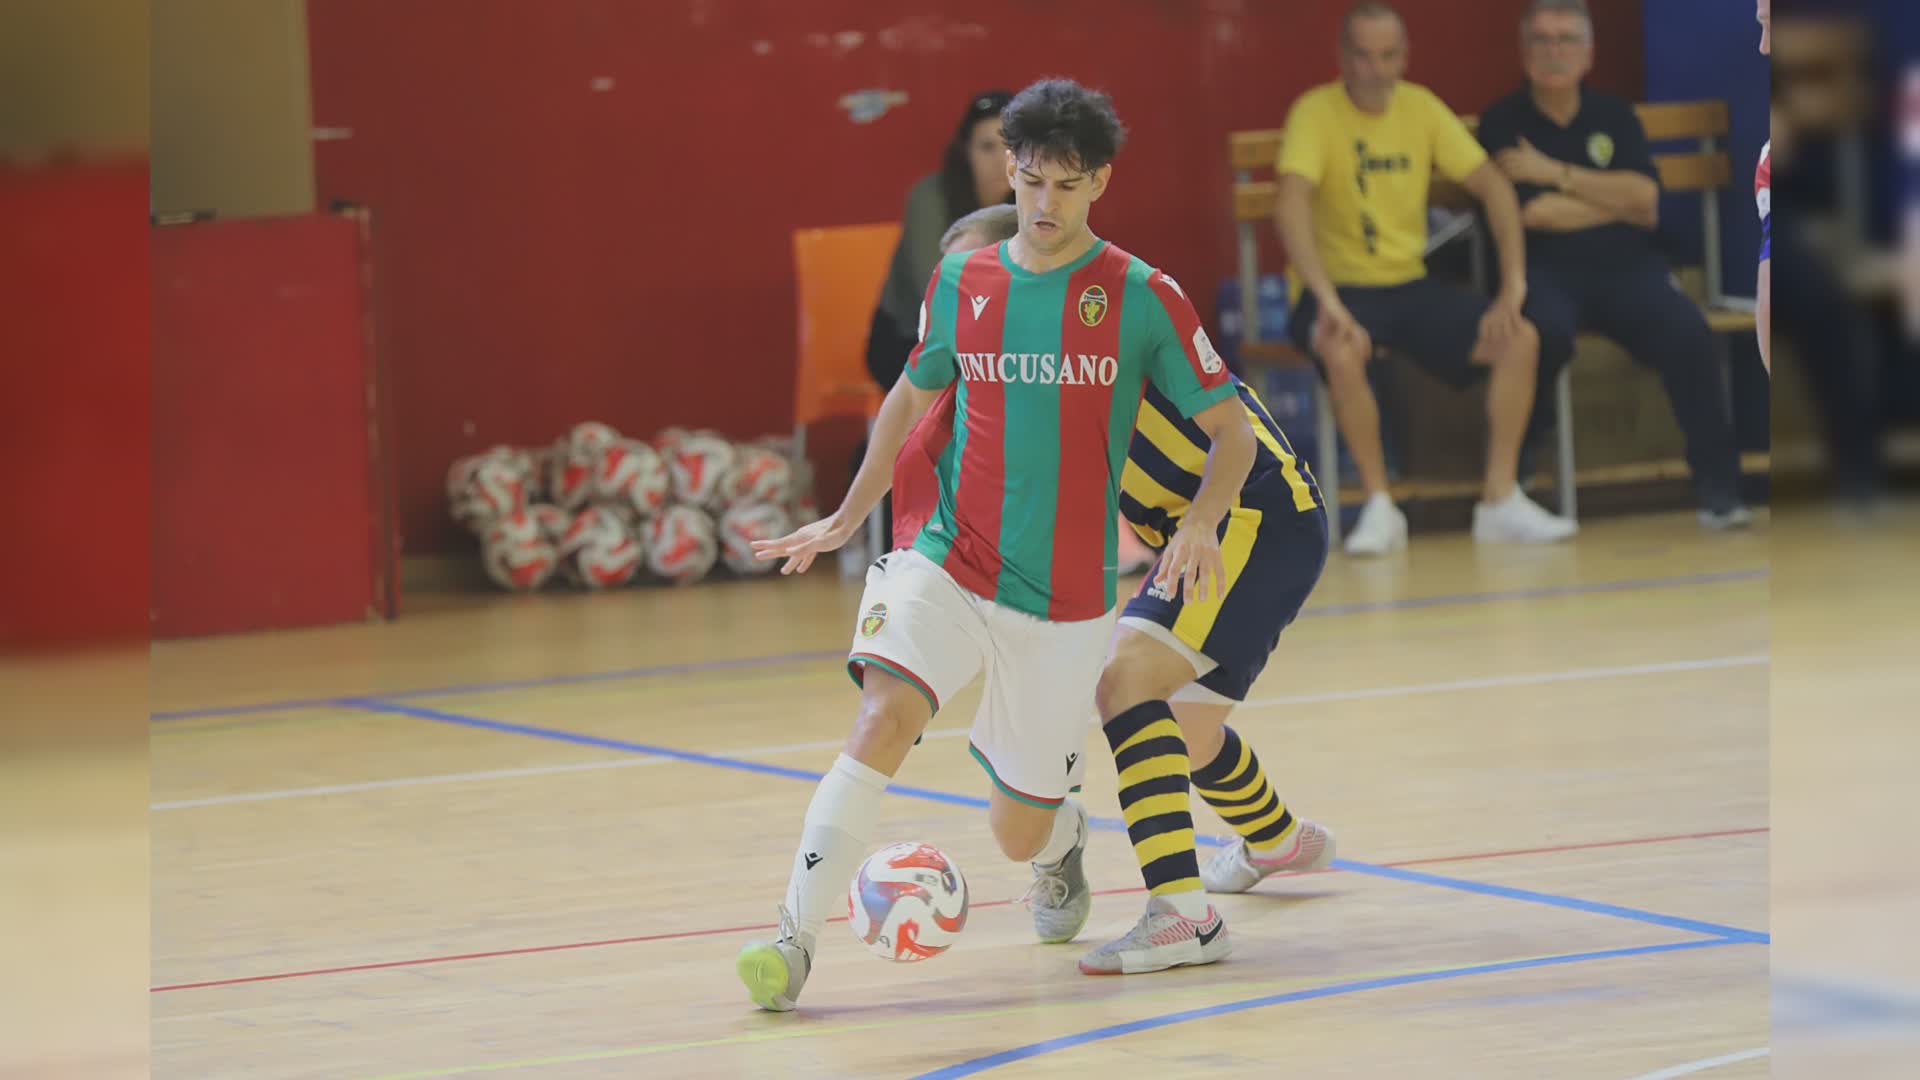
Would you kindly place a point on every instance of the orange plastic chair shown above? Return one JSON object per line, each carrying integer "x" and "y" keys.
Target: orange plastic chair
{"x": 838, "y": 272}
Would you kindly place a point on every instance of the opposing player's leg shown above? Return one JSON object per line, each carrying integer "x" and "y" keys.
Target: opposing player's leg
{"x": 1228, "y": 647}
{"x": 914, "y": 644}
{"x": 1228, "y": 775}
{"x": 1180, "y": 925}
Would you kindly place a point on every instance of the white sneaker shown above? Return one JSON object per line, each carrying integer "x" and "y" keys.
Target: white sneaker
{"x": 1380, "y": 528}
{"x": 1060, "y": 897}
{"x": 1163, "y": 938}
{"x": 774, "y": 971}
{"x": 1517, "y": 519}
{"x": 1238, "y": 868}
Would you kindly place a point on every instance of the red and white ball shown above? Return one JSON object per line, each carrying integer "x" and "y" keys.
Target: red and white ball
{"x": 759, "y": 475}
{"x": 701, "y": 464}
{"x": 741, "y": 525}
{"x": 908, "y": 902}
{"x": 494, "y": 487}
{"x": 598, "y": 551}
{"x": 681, "y": 545}
{"x": 553, "y": 521}
{"x": 630, "y": 473}
{"x": 516, "y": 555}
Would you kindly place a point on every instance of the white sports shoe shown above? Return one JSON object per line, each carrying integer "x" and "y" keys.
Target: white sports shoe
{"x": 1380, "y": 528}
{"x": 1238, "y": 868}
{"x": 775, "y": 971}
{"x": 1517, "y": 519}
{"x": 1163, "y": 938}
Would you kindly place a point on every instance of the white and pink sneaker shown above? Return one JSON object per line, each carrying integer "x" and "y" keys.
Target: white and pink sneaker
{"x": 1238, "y": 868}
{"x": 1163, "y": 938}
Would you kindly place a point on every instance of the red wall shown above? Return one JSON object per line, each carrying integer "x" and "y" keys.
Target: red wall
{"x": 270, "y": 512}
{"x": 73, "y": 405}
{"x": 552, "y": 253}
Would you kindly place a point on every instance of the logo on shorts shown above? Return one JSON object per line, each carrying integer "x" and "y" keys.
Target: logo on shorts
{"x": 1600, "y": 148}
{"x": 1071, "y": 758}
{"x": 873, "y": 620}
{"x": 1093, "y": 305}
{"x": 1157, "y": 591}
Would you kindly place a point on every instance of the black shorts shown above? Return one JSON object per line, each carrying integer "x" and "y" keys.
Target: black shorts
{"x": 1274, "y": 557}
{"x": 1434, "y": 323}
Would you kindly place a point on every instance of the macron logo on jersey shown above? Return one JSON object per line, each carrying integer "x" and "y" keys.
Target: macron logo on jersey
{"x": 1038, "y": 368}
{"x": 979, "y": 305}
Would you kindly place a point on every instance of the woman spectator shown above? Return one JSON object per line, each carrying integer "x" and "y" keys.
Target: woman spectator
{"x": 972, "y": 175}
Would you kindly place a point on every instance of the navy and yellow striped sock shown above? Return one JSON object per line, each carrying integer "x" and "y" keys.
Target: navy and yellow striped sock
{"x": 1235, "y": 786}
{"x": 1152, "y": 761}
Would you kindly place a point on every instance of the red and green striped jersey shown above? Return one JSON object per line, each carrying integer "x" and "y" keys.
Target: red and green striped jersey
{"x": 1048, "y": 371}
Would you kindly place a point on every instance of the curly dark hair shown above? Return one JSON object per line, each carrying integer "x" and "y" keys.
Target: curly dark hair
{"x": 1059, "y": 120}
{"x": 956, "y": 173}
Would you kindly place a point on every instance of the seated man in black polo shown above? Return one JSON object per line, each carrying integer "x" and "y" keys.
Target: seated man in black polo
{"x": 1590, "y": 200}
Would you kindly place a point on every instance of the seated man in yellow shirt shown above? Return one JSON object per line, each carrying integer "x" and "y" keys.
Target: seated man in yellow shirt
{"x": 1354, "y": 172}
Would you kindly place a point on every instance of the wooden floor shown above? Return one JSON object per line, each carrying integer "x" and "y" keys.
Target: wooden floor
{"x": 448, "y": 846}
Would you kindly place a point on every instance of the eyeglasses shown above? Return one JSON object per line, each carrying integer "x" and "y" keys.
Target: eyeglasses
{"x": 1569, "y": 41}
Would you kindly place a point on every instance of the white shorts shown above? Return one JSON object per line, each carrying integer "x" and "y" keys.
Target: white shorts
{"x": 1030, "y": 732}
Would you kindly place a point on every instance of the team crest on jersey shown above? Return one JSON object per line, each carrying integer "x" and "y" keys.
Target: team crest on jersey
{"x": 1093, "y": 305}
{"x": 1600, "y": 148}
{"x": 875, "y": 618}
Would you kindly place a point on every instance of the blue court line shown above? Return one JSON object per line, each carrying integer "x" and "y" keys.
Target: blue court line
{"x": 647, "y": 672}
{"x": 1693, "y": 926}
{"x": 692, "y": 756}
{"x": 654, "y": 670}
{"x": 1105, "y": 824}
{"x": 1804, "y": 1005}
{"x": 1021, "y": 1053}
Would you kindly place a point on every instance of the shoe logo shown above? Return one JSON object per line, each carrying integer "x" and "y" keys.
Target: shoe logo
{"x": 812, "y": 860}
{"x": 979, "y": 305}
{"x": 1207, "y": 936}
{"x": 1071, "y": 758}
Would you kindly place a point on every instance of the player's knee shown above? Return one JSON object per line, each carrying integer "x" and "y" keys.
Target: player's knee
{"x": 890, "y": 721}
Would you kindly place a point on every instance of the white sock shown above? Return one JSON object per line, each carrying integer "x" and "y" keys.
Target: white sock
{"x": 1191, "y": 905}
{"x": 1066, "y": 833}
{"x": 839, "y": 826}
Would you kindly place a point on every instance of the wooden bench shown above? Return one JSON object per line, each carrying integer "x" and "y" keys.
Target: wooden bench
{"x": 1704, "y": 169}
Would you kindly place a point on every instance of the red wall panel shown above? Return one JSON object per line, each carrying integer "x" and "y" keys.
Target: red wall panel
{"x": 269, "y": 507}
{"x": 73, "y": 404}
{"x": 586, "y": 205}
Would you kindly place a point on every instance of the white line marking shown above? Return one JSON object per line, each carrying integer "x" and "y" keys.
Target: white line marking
{"x": 1703, "y": 1065}
{"x": 632, "y": 761}
{"x": 1574, "y": 675}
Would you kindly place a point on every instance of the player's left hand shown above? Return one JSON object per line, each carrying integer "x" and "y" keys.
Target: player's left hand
{"x": 800, "y": 546}
{"x": 1192, "y": 563}
{"x": 1524, "y": 164}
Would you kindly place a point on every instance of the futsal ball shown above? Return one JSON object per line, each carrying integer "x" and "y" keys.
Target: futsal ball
{"x": 680, "y": 544}
{"x": 598, "y": 551}
{"x": 701, "y": 464}
{"x": 759, "y": 475}
{"x": 553, "y": 521}
{"x": 908, "y": 902}
{"x": 587, "y": 440}
{"x": 495, "y": 487}
{"x": 516, "y": 555}
{"x": 630, "y": 474}
{"x": 741, "y": 525}
{"x": 569, "y": 479}
{"x": 668, "y": 440}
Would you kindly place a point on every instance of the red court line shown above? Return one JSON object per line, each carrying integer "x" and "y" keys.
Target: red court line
{"x": 533, "y": 949}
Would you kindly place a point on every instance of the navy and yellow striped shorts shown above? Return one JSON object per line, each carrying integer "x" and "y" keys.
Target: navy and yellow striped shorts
{"x": 1274, "y": 555}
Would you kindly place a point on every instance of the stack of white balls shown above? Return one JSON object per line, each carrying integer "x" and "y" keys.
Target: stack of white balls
{"x": 596, "y": 508}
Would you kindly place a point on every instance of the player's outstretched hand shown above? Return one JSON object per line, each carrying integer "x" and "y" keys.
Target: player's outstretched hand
{"x": 1193, "y": 564}
{"x": 801, "y": 545}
